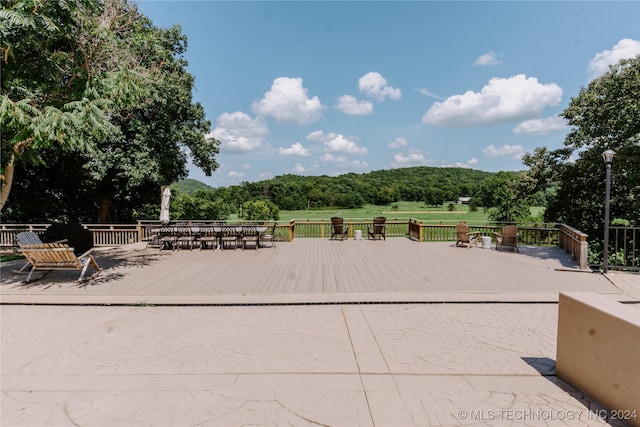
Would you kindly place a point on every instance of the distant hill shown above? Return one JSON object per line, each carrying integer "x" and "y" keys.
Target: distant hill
{"x": 190, "y": 186}
{"x": 293, "y": 192}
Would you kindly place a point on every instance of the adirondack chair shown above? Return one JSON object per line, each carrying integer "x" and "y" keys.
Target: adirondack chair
{"x": 57, "y": 256}
{"x": 338, "y": 229}
{"x": 379, "y": 228}
{"x": 508, "y": 237}
{"x": 26, "y": 239}
{"x": 465, "y": 237}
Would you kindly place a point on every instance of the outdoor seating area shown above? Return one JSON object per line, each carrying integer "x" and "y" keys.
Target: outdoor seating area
{"x": 210, "y": 236}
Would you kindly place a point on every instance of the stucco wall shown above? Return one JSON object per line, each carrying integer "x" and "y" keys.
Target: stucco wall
{"x": 598, "y": 351}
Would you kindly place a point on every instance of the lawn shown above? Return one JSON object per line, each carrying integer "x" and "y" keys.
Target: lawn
{"x": 397, "y": 210}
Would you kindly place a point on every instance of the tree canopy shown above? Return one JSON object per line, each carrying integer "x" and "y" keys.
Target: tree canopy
{"x": 605, "y": 115}
{"x": 96, "y": 110}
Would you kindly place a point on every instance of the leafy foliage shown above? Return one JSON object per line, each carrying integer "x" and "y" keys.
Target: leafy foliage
{"x": 98, "y": 102}
{"x": 604, "y": 116}
{"x": 350, "y": 191}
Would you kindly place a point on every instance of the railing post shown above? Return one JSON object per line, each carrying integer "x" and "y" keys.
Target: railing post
{"x": 419, "y": 231}
{"x": 291, "y": 225}
{"x": 140, "y": 232}
{"x": 584, "y": 253}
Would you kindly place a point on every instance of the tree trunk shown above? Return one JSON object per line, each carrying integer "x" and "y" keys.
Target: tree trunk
{"x": 7, "y": 181}
{"x": 104, "y": 211}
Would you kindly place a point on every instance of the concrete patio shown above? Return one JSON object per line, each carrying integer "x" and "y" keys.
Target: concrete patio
{"x": 393, "y": 333}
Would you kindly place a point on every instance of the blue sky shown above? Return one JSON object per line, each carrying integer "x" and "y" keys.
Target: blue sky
{"x": 325, "y": 88}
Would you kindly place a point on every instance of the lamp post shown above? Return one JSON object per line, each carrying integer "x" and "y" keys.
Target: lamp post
{"x": 608, "y": 159}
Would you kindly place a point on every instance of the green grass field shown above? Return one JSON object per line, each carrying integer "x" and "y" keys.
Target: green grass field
{"x": 398, "y": 210}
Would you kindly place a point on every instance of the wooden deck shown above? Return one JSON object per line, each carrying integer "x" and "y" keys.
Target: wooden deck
{"x": 312, "y": 271}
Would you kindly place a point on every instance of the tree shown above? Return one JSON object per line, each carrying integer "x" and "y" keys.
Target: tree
{"x": 260, "y": 210}
{"x": 62, "y": 65}
{"x": 501, "y": 195}
{"x": 604, "y": 116}
{"x": 143, "y": 118}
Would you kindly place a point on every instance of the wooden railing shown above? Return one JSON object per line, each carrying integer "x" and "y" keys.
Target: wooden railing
{"x": 322, "y": 228}
{"x": 8, "y": 233}
{"x": 575, "y": 243}
{"x": 528, "y": 234}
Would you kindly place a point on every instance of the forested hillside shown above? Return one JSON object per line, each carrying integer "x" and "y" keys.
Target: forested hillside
{"x": 432, "y": 185}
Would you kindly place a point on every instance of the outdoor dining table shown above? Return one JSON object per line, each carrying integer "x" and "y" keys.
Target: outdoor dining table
{"x": 217, "y": 229}
{"x": 240, "y": 230}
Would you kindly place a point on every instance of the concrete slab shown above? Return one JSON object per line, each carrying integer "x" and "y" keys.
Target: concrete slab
{"x": 443, "y": 364}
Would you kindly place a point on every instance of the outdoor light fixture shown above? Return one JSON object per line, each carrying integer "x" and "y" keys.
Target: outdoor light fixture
{"x": 608, "y": 159}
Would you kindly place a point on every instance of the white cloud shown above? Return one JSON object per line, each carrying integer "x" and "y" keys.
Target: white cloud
{"x": 411, "y": 158}
{"x": 624, "y": 49}
{"x": 337, "y": 143}
{"x": 296, "y": 149}
{"x": 540, "y": 126}
{"x": 489, "y": 58}
{"x": 298, "y": 169}
{"x": 427, "y": 92}
{"x": 351, "y": 105}
{"x": 468, "y": 164}
{"x": 398, "y": 142}
{"x": 514, "y": 151}
{"x": 358, "y": 164}
{"x": 501, "y": 100}
{"x": 238, "y": 132}
{"x": 235, "y": 174}
{"x": 375, "y": 86}
{"x": 287, "y": 101}
{"x": 330, "y": 157}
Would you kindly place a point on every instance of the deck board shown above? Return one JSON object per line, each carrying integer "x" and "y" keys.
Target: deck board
{"x": 315, "y": 270}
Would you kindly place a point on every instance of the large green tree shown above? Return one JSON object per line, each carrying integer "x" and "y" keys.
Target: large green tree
{"x": 604, "y": 115}
{"x": 143, "y": 123}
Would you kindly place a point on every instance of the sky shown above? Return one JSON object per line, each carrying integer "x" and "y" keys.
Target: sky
{"x": 331, "y": 87}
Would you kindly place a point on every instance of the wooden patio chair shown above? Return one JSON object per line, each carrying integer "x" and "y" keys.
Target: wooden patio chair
{"x": 379, "y": 228}
{"x": 466, "y": 237}
{"x": 508, "y": 237}
{"x": 269, "y": 236}
{"x": 338, "y": 228}
{"x": 250, "y": 235}
{"x": 58, "y": 256}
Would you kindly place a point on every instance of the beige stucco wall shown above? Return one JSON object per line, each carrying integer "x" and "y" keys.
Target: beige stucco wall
{"x": 598, "y": 350}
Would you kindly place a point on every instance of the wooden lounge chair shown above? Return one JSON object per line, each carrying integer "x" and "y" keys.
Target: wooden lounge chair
{"x": 466, "y": 237}
{"x": 338, "y": 228}
{"x": 57, "y": 256}
{"x": 508, "y": 237}
{"x": 26, "y": 239}
{"x": 379, "y": 228}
